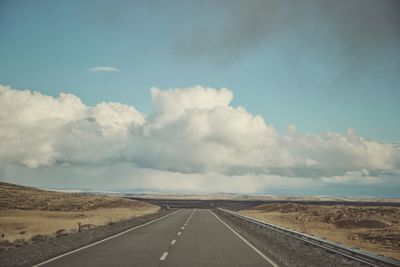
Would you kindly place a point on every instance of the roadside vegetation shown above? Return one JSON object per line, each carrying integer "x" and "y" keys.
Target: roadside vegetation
{"x": 31, "y": 215}
{"x": 372, "y": 228}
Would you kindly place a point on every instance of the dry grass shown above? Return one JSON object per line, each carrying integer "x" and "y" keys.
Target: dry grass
{"x": 16, "y": 224}
{"x": 25, "y": 211}
{"x": 375, "y": 229}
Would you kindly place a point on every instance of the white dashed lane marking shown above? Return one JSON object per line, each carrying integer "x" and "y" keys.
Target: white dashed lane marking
{"x": 163, "y": 256}
{"x": 104, "y": 240}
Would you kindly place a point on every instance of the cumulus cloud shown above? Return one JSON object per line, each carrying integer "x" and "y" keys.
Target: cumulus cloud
{"x": 103, "y": 69}
{"x": 41, "y": 130}
{"x": 194, "y": 132}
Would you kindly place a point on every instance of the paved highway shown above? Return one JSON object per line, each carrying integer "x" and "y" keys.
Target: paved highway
{"x": 188, "y": 237}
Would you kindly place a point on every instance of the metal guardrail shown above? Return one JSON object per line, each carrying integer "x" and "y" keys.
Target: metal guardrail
{"x": 352, "y": 253}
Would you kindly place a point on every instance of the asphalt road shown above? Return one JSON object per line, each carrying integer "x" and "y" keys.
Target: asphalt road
{"x": 189, "y": 237}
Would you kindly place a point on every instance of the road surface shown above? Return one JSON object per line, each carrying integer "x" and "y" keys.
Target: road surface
{"x": 188, "y": 237}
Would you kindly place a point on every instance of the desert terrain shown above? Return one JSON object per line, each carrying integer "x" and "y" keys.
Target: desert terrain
{"x": 374, "y": 228}
{"x": 28, "y": 214}
{"x": 266, "y": 198}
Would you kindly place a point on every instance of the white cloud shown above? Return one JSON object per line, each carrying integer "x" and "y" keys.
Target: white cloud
{"x": 194, "y": 133}
{"x": 126, "y": 177}
{"x": 103, "y": 69}
{"x": 37, "y": 130}
{"x": 355, "y": 178}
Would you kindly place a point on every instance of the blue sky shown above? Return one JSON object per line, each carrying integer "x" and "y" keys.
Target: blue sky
{"x": 331, "y": 69}
{"x": 301, "y": 76}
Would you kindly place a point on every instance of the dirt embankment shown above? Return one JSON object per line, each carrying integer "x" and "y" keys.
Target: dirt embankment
{"x": 29, "y": 214}
{"x": 27, "y": 198}
{"x": 376, "y": 229}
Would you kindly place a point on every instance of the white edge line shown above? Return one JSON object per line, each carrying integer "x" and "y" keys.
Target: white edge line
{"x": 164, "y": 255}
{"x": 247, "y": 242}
{"x": 103, "y": 240}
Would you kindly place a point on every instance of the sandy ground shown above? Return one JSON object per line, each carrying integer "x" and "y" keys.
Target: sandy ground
{"x": 375, "y": 229}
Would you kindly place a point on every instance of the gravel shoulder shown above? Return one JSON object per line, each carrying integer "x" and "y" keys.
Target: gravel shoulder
{"x": 283, "y": 250}
{"x": 372, "y": 228}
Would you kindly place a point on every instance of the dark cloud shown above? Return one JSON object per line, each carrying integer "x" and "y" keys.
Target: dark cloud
{"x": 241, "y": 26}
{"x": 355, "y": 28}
